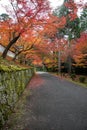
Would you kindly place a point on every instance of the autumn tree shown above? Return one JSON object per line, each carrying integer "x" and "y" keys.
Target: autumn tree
{"x": 24, "y": 15}
{"x": 49, "y": 32}
{"x": 25, "y": 43}
{"x": 80, "y": 51}
{"x": 38, "y": 52}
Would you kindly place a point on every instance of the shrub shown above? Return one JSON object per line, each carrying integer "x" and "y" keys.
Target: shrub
{"x": 73, "y": 76}
{"x": 82, "y": 79}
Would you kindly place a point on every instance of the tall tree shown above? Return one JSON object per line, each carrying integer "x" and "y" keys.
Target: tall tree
{"x": 71, "y": 28}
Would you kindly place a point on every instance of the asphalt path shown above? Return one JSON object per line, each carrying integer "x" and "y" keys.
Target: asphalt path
{"x": 55, "y": 104}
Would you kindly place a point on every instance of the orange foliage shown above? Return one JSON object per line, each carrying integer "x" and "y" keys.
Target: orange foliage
{"x": 80, "y": 51}
{"x": 53, "y": 24}
{"x": 24, "y": 16}
{"x": 71, "y": 5}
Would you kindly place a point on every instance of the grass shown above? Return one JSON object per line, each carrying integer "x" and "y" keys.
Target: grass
{"x": 78, "y": 82}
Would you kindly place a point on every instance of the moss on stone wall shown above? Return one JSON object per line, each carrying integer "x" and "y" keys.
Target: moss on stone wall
{"x": 12, "y": 84}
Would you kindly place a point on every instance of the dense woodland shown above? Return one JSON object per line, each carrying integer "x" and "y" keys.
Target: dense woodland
{"x": 39, "y": 36}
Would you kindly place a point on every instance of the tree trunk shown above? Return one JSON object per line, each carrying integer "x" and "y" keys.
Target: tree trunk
{"x": 45, "y": 66}
{"x": 69, "y": 58}
{"x": 17, "y": 54}
{"x": 59, "y": 62}
{"x": 13, "y": 41}
{"x": 69, "y": 65}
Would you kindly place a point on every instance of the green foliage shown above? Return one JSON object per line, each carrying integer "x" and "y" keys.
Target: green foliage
{"x": 83, "y": 20}
{"x": 72, "y": 28}
{"x": 61, "y": 11}
{"x": 4, "y": 17}
{"x": 73, "y": 76}
{"x": 9, "y": 66}
{"x": 82, "y": 79}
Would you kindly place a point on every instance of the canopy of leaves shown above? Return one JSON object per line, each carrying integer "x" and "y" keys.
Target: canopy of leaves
{"x": 69, "y": 10}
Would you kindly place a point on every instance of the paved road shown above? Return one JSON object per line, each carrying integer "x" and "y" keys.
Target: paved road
{"x": 55, "y": 104}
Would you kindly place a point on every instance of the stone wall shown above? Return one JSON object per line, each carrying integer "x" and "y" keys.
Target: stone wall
{"x": 12, "y": 84}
